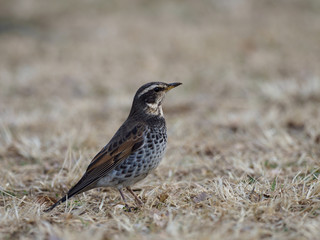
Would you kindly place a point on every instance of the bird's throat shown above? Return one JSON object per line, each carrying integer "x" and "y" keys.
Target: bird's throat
{"x": 154, "y": 109}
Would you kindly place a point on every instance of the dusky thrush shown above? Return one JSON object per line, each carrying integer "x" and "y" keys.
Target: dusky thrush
{"x": 134, "y": 151}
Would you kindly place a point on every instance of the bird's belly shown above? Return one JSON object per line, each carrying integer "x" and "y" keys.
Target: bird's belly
{"x": 136, "y": 167}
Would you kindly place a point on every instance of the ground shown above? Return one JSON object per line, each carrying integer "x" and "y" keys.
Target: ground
{"x": 243, "y": 158}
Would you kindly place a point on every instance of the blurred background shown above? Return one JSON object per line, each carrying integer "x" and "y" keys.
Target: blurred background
{"x": 91, "y": 55}
{"x": 248, "y": 109}
{"x": 75, "y": 65}
{"x": 65, "y": 64}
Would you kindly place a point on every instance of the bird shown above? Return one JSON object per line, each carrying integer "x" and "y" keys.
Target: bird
{"x": 134, "y": 151}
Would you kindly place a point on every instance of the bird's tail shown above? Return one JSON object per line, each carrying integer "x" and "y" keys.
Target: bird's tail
{"x": 56, "y": 204}
{"x": 78, "y": 188}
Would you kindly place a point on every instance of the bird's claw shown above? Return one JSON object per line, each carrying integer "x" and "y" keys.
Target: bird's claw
{"x": 127, "y": 208}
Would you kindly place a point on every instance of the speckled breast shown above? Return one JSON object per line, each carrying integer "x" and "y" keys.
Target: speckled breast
{"x": 138, "y": 165}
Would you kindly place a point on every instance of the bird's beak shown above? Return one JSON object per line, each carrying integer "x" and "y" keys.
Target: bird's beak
{"x": 172, "y": 85}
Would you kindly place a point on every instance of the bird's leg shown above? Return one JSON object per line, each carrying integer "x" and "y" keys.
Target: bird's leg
{"x": 122, "y": 196}
{"x": 135, "y": 196}
{"x": 125, "y": 201}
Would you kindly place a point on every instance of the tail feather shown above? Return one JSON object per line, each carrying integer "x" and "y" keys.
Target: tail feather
{"x": 56, "y": 204}
{"x": 78, "y": 188}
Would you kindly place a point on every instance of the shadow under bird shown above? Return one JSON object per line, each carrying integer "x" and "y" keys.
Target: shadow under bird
{"x": 136, "y": 149}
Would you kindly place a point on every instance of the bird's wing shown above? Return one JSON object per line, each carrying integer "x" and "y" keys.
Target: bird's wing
{"x": 124, "y": 143}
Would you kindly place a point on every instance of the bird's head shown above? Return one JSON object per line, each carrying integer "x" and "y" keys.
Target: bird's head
{"x": 149, "y": 97}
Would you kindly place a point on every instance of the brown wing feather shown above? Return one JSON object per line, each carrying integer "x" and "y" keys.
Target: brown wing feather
{"x": 120, "y": 147}
{"x": 125, "y": 142}
{"x": 116, "y": 151}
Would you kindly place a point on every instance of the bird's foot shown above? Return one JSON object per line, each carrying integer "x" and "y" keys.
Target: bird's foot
{"x": 127, "y": 208}
{"x": 136, "y": 198}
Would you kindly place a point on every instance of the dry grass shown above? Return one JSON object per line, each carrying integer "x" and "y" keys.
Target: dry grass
{"x": 244, "y": 134}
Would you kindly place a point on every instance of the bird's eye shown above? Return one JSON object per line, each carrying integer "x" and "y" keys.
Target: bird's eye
{"x": 157, "y": 89}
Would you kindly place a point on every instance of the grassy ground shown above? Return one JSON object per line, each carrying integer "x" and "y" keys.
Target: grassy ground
{"x": 243, "y": 160}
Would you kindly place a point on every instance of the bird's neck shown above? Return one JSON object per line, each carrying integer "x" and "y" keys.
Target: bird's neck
{"x": 149, "y": 109}
{"x": 150, "y": 115}
{"x": 154, "y": 109}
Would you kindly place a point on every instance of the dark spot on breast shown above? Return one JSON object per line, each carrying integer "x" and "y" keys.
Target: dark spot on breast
{"x": 150, "y": 145}
{"x": 120, "y": 181}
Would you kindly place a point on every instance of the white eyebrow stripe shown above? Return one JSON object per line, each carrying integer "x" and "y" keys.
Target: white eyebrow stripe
{"x": 147, "y": 90}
